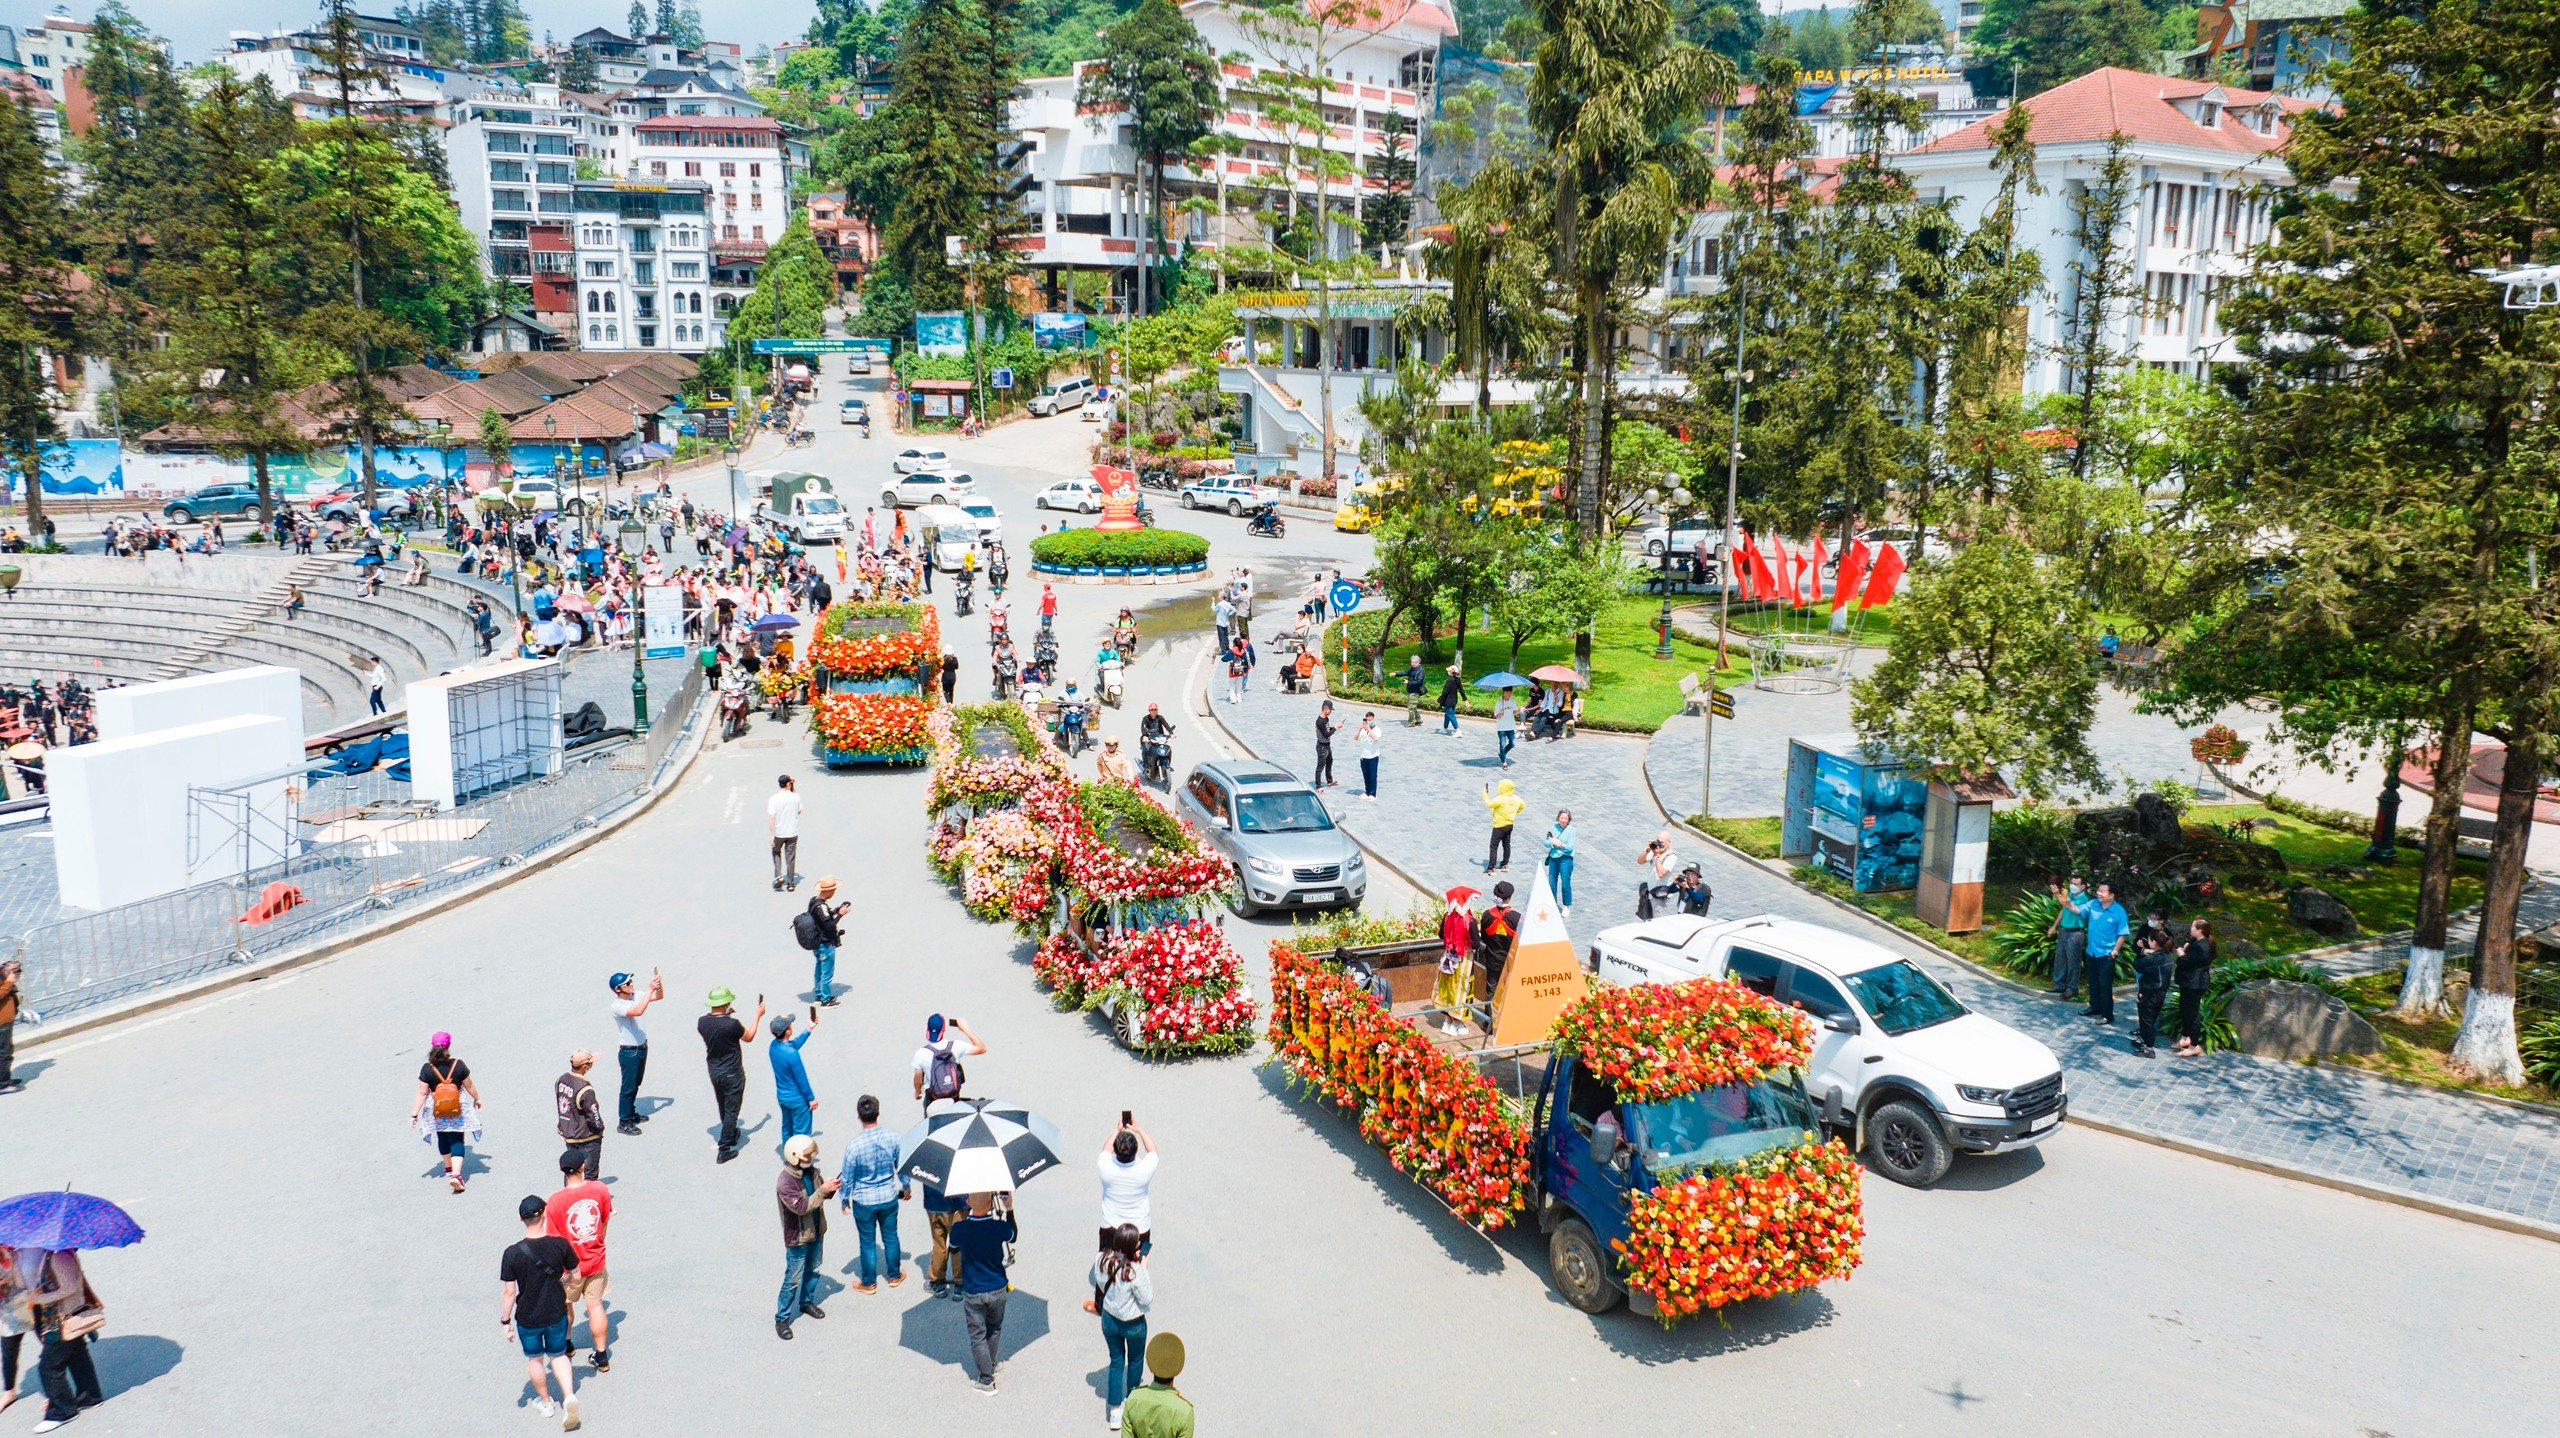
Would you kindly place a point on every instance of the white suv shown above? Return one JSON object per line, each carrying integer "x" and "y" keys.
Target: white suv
{"x": 932, "y": 486}
{"x": 1915, "y": 1075}
{"x": 1066, "y": 394}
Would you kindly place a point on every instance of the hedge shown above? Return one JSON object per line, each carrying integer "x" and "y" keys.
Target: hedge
{"x": 1075, "y": 548}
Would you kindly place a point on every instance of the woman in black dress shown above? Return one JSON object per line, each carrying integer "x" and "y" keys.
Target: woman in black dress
{"x": 2194, "y": 975}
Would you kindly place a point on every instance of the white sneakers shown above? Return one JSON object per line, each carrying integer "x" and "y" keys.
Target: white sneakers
{"x": 1111, "y": 1420}
{"x": 569, "y": 1415}
{"x": 546, "y": 1407}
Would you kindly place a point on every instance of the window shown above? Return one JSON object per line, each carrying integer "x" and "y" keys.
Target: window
{"x": 1755, "y": 971}
{"x": 599, "y": 269}
{"x": 2172, "y": 205}
{"x": 693, "y": 169}
{"x": 728, "y": 232}
{"x": 1815, "y": 994}
{"x": 613, "y": 333}
{"x": 759, "y": 234}
{"x": 1903, "y": 998}
{"x": 684, "y": 270}
{"x": 728, "y": 169}
{"x": 609, "y": 302}
{"x": 595, "y": 302}
{"x": 756, "y": 200}
{"x": 648, "y": 336}
{"x": 755, "y": 171}
{"x": 643, "y": 273}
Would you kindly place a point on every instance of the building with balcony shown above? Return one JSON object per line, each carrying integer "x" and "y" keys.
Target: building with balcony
{"x": 846, "y": 238}
{"x": 513, "y": 162}
{"x": 745, "y": 162}
{"x": 409, "y": 85}
{"x": 1086, "y": 200}
{"x": 646, "y": 274}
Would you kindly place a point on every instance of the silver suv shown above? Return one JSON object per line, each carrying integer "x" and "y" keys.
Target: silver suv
{"x": 1288, "y": 852}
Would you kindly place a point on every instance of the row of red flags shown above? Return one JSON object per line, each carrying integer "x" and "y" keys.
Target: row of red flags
{"x": 1794, "y": 578}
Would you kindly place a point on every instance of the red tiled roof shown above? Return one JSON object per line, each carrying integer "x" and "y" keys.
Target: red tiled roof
{"x": 2140, "y": 106}
{"x": 578, "y": 416}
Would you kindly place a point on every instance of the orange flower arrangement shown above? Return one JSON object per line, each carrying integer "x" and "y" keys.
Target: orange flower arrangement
{"x": 1782, "y": 1221}
{"x": 875, "y": 725}
{"x": 1659, "y": 1041}
{"x": 896, "y": 654}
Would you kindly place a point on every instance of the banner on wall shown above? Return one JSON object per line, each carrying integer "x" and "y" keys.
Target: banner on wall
{"x": 292, "y": 476}
{"x": 942, "y": 332}
{"x": 1058, "y": 330}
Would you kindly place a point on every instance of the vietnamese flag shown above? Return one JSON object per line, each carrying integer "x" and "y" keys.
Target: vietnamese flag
{"x": 1783, "y": 586}
{"x": 1880, "y": 584}
{"x": 1746, "y": 566}
{"x": 1852, "y": 569}
{"x": 1764, "y": 584}
{"x": 1813, "y": 577}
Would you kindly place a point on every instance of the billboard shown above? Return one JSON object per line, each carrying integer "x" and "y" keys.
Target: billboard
{"x": 942, "y": 332}
{"x": 1058, "y": 330}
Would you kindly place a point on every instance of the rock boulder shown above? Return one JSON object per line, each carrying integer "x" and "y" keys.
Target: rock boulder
{"x": 2321, "y": 912}
{"x": 2280, "y": 1019}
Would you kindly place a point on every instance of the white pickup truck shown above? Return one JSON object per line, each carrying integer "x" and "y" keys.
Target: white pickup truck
{"x": 1914, "y": 1075}
{"x": 801, "y": 506}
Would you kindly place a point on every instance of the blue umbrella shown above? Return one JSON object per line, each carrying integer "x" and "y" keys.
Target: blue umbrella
{"x": 774, "y": 624}
{"x": 1505, "y": 679}
{"x": 57, "y": 1221}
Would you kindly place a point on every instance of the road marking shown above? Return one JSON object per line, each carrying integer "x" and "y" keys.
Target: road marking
{"x": 734, "y": 811}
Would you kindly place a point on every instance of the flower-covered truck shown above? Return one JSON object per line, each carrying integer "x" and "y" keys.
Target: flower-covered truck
{"x": 873, "y": 671}
{"x": 1661, "y": 1137}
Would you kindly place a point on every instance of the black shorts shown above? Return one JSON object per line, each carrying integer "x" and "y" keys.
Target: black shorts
{"x": 449, "y": 1144}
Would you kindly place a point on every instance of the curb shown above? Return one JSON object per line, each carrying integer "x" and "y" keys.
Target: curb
{"x": 283, "y": 963}
{"x": 2488, "y": 1218}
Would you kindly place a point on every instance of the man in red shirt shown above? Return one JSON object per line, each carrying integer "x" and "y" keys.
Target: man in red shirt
{"x": 580, "y": 1212}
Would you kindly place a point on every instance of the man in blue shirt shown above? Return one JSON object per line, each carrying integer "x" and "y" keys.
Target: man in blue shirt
{"x": 2107, "y": 927}
{"x": 978, "y": 1241}
{"x": 871, "y": 1195}
{"x": 791, "y": 1077}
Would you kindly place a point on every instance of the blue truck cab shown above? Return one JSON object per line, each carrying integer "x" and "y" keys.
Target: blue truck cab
{"x": 1592, "y": 1153}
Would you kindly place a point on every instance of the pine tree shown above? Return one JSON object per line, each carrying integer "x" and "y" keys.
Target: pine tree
{"x": 947, "y": 138}
{"x": 1157, "y": 69}
{"x": 37, "y": 319}
{"x": 133, "y": 162}
{"x": 578, "y": 70}
{"x": 1388, "y": 218}
{"x": 667, "y": 19}
{"x": 2104, "y": 292}
{"x": 636, "y": 23}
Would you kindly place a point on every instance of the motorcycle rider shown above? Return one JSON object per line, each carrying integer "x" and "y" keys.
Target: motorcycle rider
{"x": 963, "y": 592}
{"x": 1111, "y": 764}
{"x": 1265, "y": 521}
{"x": 1155, "y": 741}
{"x": 733, "y": 704}
{"x": 1071, "y": 735}
{"x": 998, "y": 570}
{"x": 1107, "y": 666}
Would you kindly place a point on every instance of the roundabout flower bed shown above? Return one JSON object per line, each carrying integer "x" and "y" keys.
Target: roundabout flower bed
{"x": 872, "y": 669}
{"x": 1433, "y": 1115}
{"x": 1121, "y": 553}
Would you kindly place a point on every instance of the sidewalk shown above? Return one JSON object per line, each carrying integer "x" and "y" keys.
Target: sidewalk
{"x": 2327, "y": 1125}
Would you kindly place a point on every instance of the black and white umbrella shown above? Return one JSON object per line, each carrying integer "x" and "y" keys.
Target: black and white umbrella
{"x": 978, "y": 1145}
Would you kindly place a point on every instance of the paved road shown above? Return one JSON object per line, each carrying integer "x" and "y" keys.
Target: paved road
{"x": 304, "y": 1275}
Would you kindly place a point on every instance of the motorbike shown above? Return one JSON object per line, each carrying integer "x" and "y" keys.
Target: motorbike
{"x": 1158, "y": 478}
{"x": 1072, "y": 737}
{"x": 1266, "y": 524}
{"x": 1044, "y": 650}
{"x": 1106, "y": 684}
{"x": 779, "y": 707}
{"x": 1155, "y": 762}
{"x": 963, "y": 597}
{"x": 799, "y": 438}
{"x": 864, "y": 424}
{"x": 733, "y": 714}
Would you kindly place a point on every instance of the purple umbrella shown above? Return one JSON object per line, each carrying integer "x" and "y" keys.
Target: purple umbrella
{"x": 775, "y": 624}
{"x": 57, "y": 1221}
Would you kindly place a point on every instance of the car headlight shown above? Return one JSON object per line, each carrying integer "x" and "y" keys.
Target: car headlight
{"x": 1357, "y": 863}
{"x": 1263, "y": 866}
{"x": 1971, "y": 1094}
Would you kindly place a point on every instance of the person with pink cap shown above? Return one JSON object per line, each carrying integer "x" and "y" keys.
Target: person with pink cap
{"x": 446, "y": 1110}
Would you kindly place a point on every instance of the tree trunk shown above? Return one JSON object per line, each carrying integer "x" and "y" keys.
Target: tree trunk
{"x": 2485, "y": 1049}
{"x": 2422, "y": 987}
{"x": 266, "y": 490}
{"x": 32, "y": 467}
{"x": 1596, "y": 360}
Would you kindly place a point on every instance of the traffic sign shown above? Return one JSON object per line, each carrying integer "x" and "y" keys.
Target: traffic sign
{"x": 1001, "y": 377}
{"x": 1720, "y": 703}
{"x": 1345, "y": 596}
{"x": 853, "y": 345}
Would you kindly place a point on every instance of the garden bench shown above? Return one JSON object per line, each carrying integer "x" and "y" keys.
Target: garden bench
{"x": 1693, "y": 695}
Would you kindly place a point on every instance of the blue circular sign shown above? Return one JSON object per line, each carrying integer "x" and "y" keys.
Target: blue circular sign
{"x": 1345, "y": 596}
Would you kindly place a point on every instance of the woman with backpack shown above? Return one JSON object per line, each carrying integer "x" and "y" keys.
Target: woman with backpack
{"x": 446, "y": 1111}
{"x": 1122, "y": 1294}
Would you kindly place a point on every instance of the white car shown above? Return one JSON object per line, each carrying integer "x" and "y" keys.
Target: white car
{"x": 536, "y": 495}
{"x": 1066, "y": 394}
{"x": 915, "y": 458}
{"x": 1903, "y": 541}
{"x": 1081, "y": 495}
{"x": 927, "y": 487}
{"x": 1234, "y": 493}
{"x": 1097, "y": 410}
{"x": 989, "y": 519}
{"x": 1684, "y": 540}
{"x": 1913, "y": 1074}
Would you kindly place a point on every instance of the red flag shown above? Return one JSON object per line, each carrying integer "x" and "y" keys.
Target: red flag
{"x": 1880, "y": 584}
{"x": 1852, "y": 569}
{"x": 1813, "y": 586}
{"x": 1784, "y": 586}
{"x": 1764, "y": 585}
{"x": 1746, "y": 566}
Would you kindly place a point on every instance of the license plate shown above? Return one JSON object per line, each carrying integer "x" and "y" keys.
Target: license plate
{"x": 1323, "y": 896}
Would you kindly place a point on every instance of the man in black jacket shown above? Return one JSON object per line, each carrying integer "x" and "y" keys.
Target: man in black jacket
{"x": 1449, "y": 692}
{"x": 826, "y": 924}
{"x": 1413, "y": 689}
{"x": 1325, "y": 730}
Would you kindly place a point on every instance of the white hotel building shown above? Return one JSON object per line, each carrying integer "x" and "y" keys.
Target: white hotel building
{"x": 664, "y": 253}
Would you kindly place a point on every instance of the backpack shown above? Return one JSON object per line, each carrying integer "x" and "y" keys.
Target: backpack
{"x": 943, "y": 1074}
{"x": 446, "y": 1098}
{"x": 804, "y": 928}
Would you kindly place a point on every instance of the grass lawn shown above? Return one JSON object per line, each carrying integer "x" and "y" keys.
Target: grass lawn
{"x": 1756, "y": 837}
{"x": 2416, "y": 1051}
{"x": 1630, "y": 689}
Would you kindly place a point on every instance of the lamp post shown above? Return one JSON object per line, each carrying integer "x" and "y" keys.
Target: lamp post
{"x": 729, "y": 456}
{"x": 1670, "y": 504}
{"x": 635, "y": 539}
{"x": 1732, "y": 476}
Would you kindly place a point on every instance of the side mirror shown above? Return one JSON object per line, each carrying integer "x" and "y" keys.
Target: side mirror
{"x": 1606, "y": 1141}
{"x": 1835, "y": 1114}
{"x": 1842, "y": 1023}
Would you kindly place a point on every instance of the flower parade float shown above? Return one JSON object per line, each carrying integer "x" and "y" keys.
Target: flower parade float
{"x": 1134, "y": 934}
{"x": 873, "y": 671}
{"x": 986, "y": 757}
{"x": 1660, "y": 1135}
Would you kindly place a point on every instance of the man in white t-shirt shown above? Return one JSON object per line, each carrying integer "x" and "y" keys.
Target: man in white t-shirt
{"x": 782, "y": 826}
{"x": 941, "y": 1080}
{"x": 376, "y": 679}
{"x": 1128, "y": 1168}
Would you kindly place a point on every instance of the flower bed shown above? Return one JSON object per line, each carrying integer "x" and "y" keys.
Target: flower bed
{"x": 873, "y": 667}
{"x": 1434, "y": 1116}
{"x": 1078, "y": 548}
{"x": 1775, "y": 1223}
{"x": 1659, "y": 1041}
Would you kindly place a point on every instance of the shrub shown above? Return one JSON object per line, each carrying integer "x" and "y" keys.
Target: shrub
{"x": 1077, "y": 547}
{"x": 1317, "y": 488}
{"x": 2024, "y": 945}
{"x": 2540, "y": 1045}
{"x": 2031, "y": 841}
{"x": 2338, "y": 819}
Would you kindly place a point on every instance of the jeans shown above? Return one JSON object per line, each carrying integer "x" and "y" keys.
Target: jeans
{"x": 1560, "y": 878}
{"x": 1126, "y": 1343}
{"x": 8, "y": 1050}
{"x": 1502, "y": 742}
{"x": 1448, "y": 718}
{"x": 1369, "y": 777}
{"x": 728, "y": 1090}
{"x": 876, "y": 1224}
{"x": 67, "y": 1376}
{"x": 1497, "y": 850}
{"x": 786, "y": 860}
{"x": 374, "y": 699}
{"x": 594, "y": 1150}
{"x": 635, "y": 1060}
{"x": 985, "y": 1313}
{"x": 824, "y": 985}
{"x": 2070, "y": 951}
{"x": 796, "y": 1120}
{"x": 2102, "y": 986}
{"x": 1324, "y": 765}
{"x": 800, "y": 1266}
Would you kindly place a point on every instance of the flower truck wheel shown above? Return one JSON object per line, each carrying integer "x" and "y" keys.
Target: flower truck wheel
{"x": 1580, "y": 1268}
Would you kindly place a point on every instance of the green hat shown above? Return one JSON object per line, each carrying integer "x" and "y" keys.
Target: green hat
{"x": 722, "y": 998}
{"x": 1164, "y": 1356}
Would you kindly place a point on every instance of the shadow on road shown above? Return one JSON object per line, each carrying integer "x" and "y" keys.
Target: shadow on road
{"x": 935, "y": 1328}
{"x": 129, "y": 1360}
{"x": 1463, "y": 1244}
{"x": 1982, "y": 1175}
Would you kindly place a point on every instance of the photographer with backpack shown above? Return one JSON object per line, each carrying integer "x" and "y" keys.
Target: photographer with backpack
{"x": 939, "y": 1072}
{"x": 446, "y": 1111}
{"x": 819, "y": 929}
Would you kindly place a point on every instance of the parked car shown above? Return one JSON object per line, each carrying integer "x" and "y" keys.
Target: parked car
{"x": 1066, "y": 394}
{"x": 917, "y": 457}
{"x": 214, "y": 501}
{"x": 1902, "y": 541}
{"x": 1097, "y": 409}
{"x": 1234, "y": 493}
{"x": 1685, "y": 539}
{"x": 1288, "y": 852}
{"x": 1915, "y": 1076}
{"x": 348, "y": 504}
{"x": 536, "y": 495}
{"x": 1081, "y": 495}
{"x": 927, "y": 487}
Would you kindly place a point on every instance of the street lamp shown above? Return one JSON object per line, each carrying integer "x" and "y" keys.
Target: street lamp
{"x": 1670, "y": 504}
{"x": 729, "y": 456}
{"x": 635, "y": 540}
